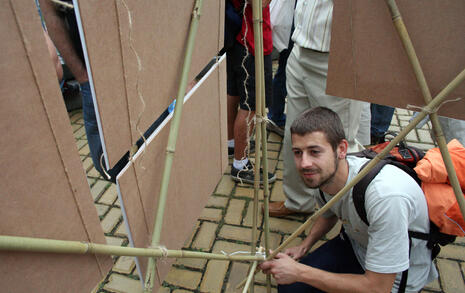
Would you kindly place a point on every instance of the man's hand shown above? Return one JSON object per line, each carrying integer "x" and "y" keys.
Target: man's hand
{"x": 283, "y": 268}
{"x": 297, "y": 252}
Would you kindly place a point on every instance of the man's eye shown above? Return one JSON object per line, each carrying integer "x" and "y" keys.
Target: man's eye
{"x": 297, "y": 153}
{"x": 314, "y": 152}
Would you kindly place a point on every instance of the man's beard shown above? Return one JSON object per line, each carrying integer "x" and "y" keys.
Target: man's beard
{"x": 324, "y": 180}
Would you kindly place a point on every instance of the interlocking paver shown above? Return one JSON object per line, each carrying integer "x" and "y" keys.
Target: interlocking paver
{"x": 225, "y": 186}
{"x": 210, "y": 214}
{"x": 122, "y": 284}
{"x": 98, "y": 188}
{"x": 234, "y": 211}
{"x": 111, "y": 219}
{"x": 184, "y": 278}
{"x": 450, "y": 276}
{"x": 205, "y": 236}
{"x": 217, "y": 201}
{"x": 277, "y": 193}
{"x": 453, "y": 252}
{"x": 109, "y": 196}
{"x": 124, "y": 264}
{"x": 214, "y": 276}
{"x": 248, "y": 219}
{"x": 236, "y": 233}
{"x": 247, "y": 191}
{"x": 196, "y": 263}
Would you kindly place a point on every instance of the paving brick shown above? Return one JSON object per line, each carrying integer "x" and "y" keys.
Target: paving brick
{"x": 214, "y": 276}
{"x": 277, "y": 193}
{"x": 274, "y": 240}
{"x": 92, "y": 172}
{"x": 110, "y": 220}
{"x": 453, "y": 252}
{"x": 109, "y": 196}
{"x": 273, "y": 137}
{"x": 236, "y": 233}
{"x": 101, "y": 209}
{"x": 194, "y": 230}
{"x": 80, "y": 132}
{"x": 272, "y": 163}
{"x": 296, "y": 241}
{"x": 237, "y": 274}
{"x": 279, "y": 174}
{"x": 217, "y": 201}
{"x": 211, "y": 214}
{"x": 196, "y": 263}
{"x": 178, "y": 291}
{"x": 260, "y": 278}
{"x": 394, "y": 128}
{"x": 272, "y": 154}
{"x": 91, "y": 181}
{"x": 234, "y": 211}
{"x": 80, "y": 144}
{"x": 400, "y": 111}
{"x": 248, "y": 219}
{"x": 124, "y": 264}
{"x": 75, "y": 127}
{"x": 450, "y": 276}
{"x": 205, "y": 236}
{"x": 424, "y": 135}
{"x": 98, "y": 188}
{"x": 225, "y": 186}
{"x": 167, "y": 290}
{"x": 122, "y": 284}
{"x": 87, "y": 163}
{"x": 460, "y": 240}
{"x": 262, "y": 289}
{"x": 283, "y": 225}
{"x": 274, "y": 147}
{"x": 411, "y": 136}
{"x": 247, "y": 191}
{"x": 84, "y": 150}
{"x": 183, "y": 278}
{"x": 116, "y": 241}
{"x": 121, "y": 231}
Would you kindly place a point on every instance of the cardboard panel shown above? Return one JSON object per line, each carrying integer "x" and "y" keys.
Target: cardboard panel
{"x": 197, "y": 168}
{"x": 44, "y": 192}
{"x": 157, "y": 34}
{"x": 367, "y": 60}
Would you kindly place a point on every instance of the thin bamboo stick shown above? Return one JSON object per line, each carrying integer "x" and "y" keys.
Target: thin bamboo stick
{"x": 412, "y": 56}
{"x": 27, "y": 244}
{"x": 266, "y": 188}
{"x": 258, "y": 47}
{"x": 170, "y": 150}
{"x": 250, "y": 277}
{"x": 429, "y": 108}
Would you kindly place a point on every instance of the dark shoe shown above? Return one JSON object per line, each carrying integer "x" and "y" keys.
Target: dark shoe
{"x": 247, "y": 175}
{"x": 273, "y": 127}
{"x": 278, "y": 209}
{"x": 231, "y": 149}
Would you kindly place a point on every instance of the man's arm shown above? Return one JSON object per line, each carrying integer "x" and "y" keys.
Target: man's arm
{"x": 286, "y": 271}
{"x": 321, "y": 227}
{"x": 60, "y": 37}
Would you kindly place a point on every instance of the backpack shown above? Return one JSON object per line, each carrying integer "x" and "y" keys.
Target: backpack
{"x": 404, "y": 157}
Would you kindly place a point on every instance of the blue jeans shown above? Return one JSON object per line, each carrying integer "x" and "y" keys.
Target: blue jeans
{"x": 278, "y": 100}
{"x": 90, "y": 124}
{"x": 336, "y": 256}
{"x": 381, "y": 117}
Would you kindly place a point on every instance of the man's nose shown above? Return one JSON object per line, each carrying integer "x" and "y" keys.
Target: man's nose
{"x": 307, "y": 161}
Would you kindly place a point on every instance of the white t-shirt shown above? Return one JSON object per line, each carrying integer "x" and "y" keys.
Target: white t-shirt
{"x": 394, "y": 204}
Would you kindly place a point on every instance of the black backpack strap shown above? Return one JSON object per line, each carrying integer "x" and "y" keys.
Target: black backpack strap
{"x": 322, "y": 196}
{"x": 358, "y": 193}
{"x": 403, "y": 279}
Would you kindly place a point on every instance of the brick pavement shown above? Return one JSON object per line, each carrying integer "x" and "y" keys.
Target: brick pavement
{"x": 225, "y": 225}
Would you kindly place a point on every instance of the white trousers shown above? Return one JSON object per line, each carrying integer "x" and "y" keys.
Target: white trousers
{"x": 306, "y": 74}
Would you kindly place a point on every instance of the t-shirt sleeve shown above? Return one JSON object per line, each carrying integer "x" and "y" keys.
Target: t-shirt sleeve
{"x": 388, "y": 241}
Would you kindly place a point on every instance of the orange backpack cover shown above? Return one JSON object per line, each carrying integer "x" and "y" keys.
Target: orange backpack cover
{"x": 443, "y": 207}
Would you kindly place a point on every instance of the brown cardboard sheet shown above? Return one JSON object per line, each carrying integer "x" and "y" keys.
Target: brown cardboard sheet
{"x": 158, "y": 35}
{"x": 197, "y": 167}
{"x": 44, "y": 192}
{"x": 368, "y": 62}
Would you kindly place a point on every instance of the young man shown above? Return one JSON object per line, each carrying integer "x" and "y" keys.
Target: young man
{"x": 362, "y": 258}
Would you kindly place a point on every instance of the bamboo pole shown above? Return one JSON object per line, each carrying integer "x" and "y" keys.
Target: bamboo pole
{"x": 250, "y": 277}
{"x": 258, "y": 47}
{"x": 170, "y": 149}
{"x": 266, "y": 188}
{"x": 412, "y": 56}
{"x": 28, "y": 244}
{"x": 429, "y": 108}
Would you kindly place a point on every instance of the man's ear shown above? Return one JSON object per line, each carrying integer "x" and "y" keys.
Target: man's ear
{"x": 342, "y": 149}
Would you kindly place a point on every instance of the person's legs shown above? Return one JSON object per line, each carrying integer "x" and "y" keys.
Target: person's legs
{"x": 298, "y": 195}
{"x": 276, "y": 109}
{"x": 242, "y": 124}
{"x": 233, "y": 102}
{"x": 90, "y": 124}
{"x": 381, "y": 117}
{"x": 336, "y": 256}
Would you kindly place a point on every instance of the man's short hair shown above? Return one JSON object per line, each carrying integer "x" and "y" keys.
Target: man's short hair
{"x": 320, "y": 119}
